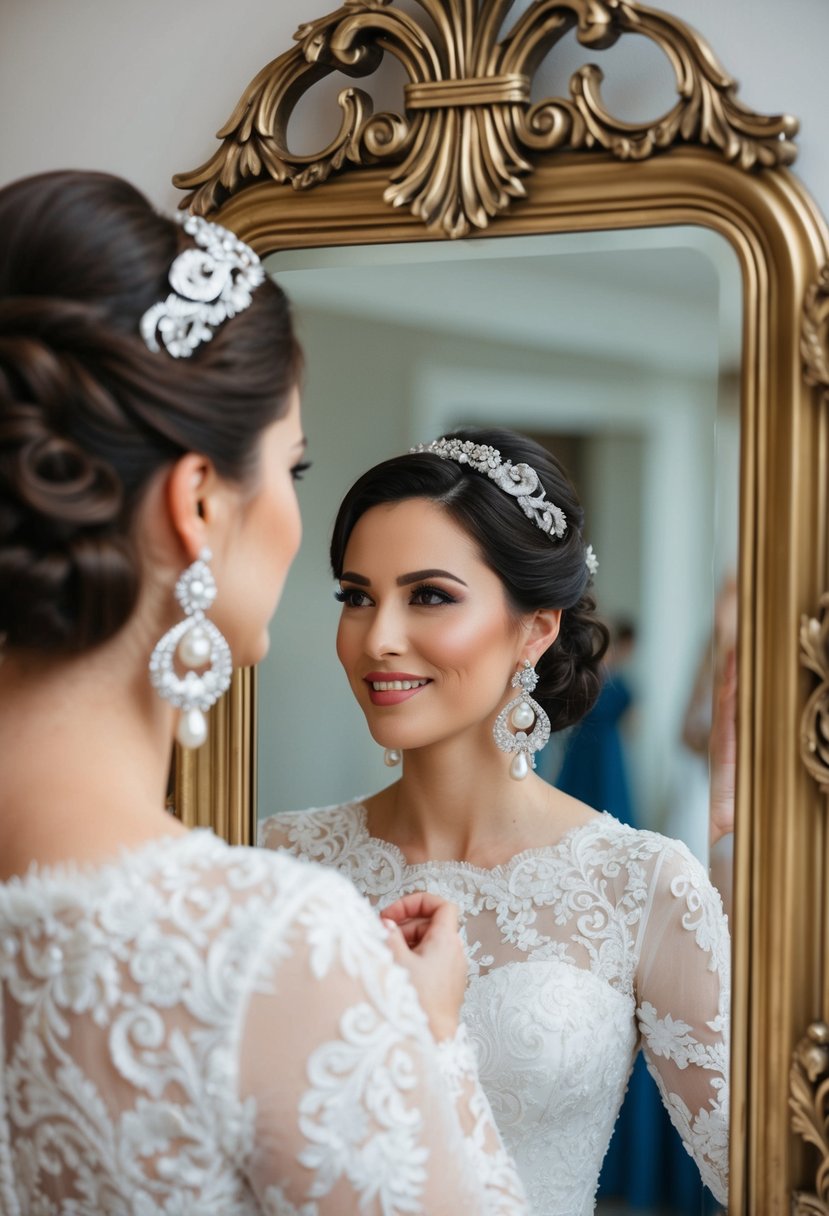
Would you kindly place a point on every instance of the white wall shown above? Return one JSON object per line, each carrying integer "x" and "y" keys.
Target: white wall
{"x": 139, "y": 86}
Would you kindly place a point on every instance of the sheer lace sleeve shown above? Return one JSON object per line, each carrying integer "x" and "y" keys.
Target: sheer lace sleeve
{"x": 683, "y": 990}
{"x": 353, "y": 1107}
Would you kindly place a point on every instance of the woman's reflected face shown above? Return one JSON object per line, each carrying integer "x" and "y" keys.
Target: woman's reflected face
{"x": 426, "y": 636}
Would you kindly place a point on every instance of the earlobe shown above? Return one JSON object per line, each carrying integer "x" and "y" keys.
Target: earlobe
{"x": 187, "y": 494}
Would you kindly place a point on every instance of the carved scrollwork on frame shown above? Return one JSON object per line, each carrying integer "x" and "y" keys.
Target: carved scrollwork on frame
{"x": 814, "y": 334}
{"x": 460, "y": 148}
{"x": 814, "y": 726}
{"x": 809, "y": 1086}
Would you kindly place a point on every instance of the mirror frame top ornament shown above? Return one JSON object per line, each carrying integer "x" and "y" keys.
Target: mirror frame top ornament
{"x": 470, "y": 154}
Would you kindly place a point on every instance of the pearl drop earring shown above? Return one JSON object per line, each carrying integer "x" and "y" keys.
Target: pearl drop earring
{"x": 197, "y": 643}
{"x": 521, "y": 713}
{"x": 392, "y": 756}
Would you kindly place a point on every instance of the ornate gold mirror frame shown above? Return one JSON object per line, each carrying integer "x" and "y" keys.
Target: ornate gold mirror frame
{"x": 469, "y": 153}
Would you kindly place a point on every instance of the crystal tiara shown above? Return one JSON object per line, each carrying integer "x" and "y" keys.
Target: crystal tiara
{"x": 519, "y": 480}
{"x": 211, "y": 284}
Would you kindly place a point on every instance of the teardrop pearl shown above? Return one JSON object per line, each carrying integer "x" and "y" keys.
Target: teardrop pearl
{"x": 194, "y": 648}
{"x": 392, "y": 756}
{"x": 522, "y": 717}
{"x": 192, "y": 728}
{"x": 520, "y": 766}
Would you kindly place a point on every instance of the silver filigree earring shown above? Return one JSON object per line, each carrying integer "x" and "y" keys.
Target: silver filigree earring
{"x": 197, "y": 643}
{"x": 521, "y": 713}
{"x": 392, "y": 756}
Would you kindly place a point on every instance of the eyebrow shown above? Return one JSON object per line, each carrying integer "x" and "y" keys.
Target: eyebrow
{"x": 404, "y": 580}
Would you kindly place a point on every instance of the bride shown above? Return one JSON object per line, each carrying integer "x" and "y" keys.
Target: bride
{"x": 468, "y": 634}
{"x": 184, "y": 1027}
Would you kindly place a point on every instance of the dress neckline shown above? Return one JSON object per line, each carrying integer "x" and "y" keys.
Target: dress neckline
{"x": 504, "y": 868}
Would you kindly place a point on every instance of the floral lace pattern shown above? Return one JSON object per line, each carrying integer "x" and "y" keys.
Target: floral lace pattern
{"x": 200, "y": 1029}
{"x": 578, "y": 953}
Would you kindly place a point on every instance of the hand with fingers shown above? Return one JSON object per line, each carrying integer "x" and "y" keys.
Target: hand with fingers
{"x": 424, "y": 938}
{"x": 722, "y": 749}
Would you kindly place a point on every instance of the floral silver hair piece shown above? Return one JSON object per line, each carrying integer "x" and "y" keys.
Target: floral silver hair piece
{"x": 210, "y": 285}
{"x": 519, "y": 480}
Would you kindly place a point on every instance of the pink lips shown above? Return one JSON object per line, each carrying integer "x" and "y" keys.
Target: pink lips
{"x": 391, "y": 696}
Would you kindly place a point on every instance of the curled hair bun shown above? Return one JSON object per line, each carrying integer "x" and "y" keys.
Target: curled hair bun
{"x": 56, "y": 478}
{"x": 67, "y": 578}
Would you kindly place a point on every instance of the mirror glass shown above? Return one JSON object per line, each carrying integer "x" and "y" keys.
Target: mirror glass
{"x": 621, "y": 351}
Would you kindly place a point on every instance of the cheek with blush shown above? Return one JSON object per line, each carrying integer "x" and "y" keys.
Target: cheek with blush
{"x": 475, "y": 649}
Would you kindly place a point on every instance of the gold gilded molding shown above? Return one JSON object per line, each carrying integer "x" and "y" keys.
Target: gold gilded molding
{"x": 215, "y": 785}
{"x": 814, "y": 347}
{"x": 782, "y": 839}
{"x": 459, "y": 150}
{"x": 814, "y": 726}
{"x": 810, "y": 1119}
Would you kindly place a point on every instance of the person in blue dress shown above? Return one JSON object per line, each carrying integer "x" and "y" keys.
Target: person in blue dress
{"x": 594, "y": 769}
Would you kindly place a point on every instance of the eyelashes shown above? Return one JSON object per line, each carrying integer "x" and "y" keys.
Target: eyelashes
{"x": 434, "y": 595}
{"x": 299, "y": 470}
{"x": 348, "y": 595}
{"x": 423, "y": 596}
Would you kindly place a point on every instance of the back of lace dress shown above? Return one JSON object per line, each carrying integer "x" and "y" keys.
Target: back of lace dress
{"x": 200, "y": 1029}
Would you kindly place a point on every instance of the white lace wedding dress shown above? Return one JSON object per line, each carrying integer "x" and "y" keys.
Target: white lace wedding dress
{"x": 198, "y": 1030}
{"x": 578, "y": 953}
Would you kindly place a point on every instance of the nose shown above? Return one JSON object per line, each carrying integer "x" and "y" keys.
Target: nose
{"x": 385, "y": 635}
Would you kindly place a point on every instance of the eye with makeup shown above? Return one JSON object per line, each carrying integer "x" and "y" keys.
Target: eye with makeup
{"x": 352, "y": 597}
{"x": 425, "y": 595}
{"x": 300, "y": 469}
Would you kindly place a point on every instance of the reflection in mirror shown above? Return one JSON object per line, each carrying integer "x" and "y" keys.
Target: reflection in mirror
{"x": 620, "y": 352}
{"x": 626, "y": 343}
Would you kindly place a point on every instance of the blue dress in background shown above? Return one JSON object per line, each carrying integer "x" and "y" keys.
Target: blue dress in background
{"x": 594, "y": 768}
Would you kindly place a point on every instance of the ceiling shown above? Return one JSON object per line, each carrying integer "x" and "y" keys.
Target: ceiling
{"x": 669, "y": 298}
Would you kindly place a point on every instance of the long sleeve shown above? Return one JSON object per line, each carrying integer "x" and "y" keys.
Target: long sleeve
{"x": 683, "y": 989}
{"x": 353, "y": 1107}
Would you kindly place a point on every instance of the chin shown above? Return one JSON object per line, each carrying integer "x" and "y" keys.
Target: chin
{"x": 253, "y": 652}
{"x": 263, "y": 647}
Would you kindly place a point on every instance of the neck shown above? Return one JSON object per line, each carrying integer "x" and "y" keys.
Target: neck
{"x": 456, "y": 801}
{"x": 86, "y": 747}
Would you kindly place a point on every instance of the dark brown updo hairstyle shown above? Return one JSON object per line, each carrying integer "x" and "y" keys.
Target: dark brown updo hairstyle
{"x": 88, "y": 414}
{"x": 536, "y": 571}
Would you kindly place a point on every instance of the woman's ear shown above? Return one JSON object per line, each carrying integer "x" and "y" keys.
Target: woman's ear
{"x": 542, "y": 630}
{"x": 190, "y": 484}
